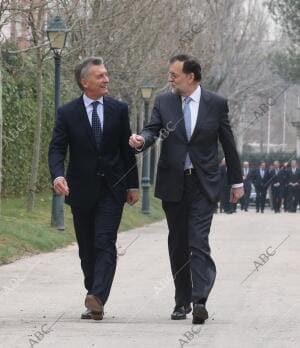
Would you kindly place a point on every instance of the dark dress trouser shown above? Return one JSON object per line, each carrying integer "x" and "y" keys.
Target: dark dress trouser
{"x": 276, "y": 197}
{"x": 189, "y": 222}
{"x": 96, "y": 232}
{"x": 261, "y": 194}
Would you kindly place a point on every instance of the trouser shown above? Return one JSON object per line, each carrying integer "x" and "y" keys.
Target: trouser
{"x": 189, "y": 222}
{"x": 261, "y": 194}
{"x": 293, "y": 198}
{"x": 96, "y": 233}
{"x": 276, "y": 197}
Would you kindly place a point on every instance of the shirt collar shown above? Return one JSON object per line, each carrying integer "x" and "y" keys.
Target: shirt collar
{"x": 196, "y": 95}
{"x": 88, "y": 101}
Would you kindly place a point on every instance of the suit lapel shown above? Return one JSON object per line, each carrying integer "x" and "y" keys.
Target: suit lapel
{"x": 202, "y": 112}
{"x": 107, "y": 117}
{"x": 178, "y": 122}
{"x": 85, "y": 121}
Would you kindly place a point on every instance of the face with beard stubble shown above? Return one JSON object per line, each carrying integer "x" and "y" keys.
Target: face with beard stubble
{"x": 181, "y": 83}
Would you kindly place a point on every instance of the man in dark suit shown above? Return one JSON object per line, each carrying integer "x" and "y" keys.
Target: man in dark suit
{"x": 261, "y": 182}
{"x": 192, "y": 120}
{"x": 277, "y": 186}
{"x": 285, "y": 169}
{"x": 293, "y": 184}
{"x": 101, "y": 176}
{"x": 247, "y": 181}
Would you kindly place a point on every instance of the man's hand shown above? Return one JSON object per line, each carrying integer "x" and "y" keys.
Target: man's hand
{"x": 136, "y": 141}
{"x": 132, "y": 197}
{"x": 236, "y": 193}
{"x": 61, "y": 186}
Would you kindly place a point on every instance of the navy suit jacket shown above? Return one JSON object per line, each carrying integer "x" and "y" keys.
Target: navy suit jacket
{"x": 258, "y": 181}
{"x": 212, "y": 125}
{"x": 114, "y": 158}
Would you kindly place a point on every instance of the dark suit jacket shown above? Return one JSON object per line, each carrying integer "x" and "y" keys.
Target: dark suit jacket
{"x": 277, "y": 179}
{"x": 115, "y": 159}
{"x": 278, "y": 182}
{"x": 294, "y": 178}
{"x": 212, "y": 124}
{"x": 258, "y": 181}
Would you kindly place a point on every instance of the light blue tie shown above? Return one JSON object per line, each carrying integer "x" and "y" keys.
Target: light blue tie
{"x": 188, "y": 127}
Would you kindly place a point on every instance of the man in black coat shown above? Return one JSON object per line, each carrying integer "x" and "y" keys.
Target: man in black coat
{"x": 293, "y": 185}
{"x": 260, "y": 178}
{"x": 101, "y": 176}
{"x": 285, "y": 169}
{"x": 277, "y": 186}
{"x": 190, "y": 120}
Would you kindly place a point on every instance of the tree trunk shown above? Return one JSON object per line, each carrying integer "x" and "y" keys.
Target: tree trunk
{"x": 37, "y": 135}
{"x": 1, "y": 129}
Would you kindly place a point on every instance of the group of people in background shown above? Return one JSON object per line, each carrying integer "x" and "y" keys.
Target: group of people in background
{"x": 279, "y": 181}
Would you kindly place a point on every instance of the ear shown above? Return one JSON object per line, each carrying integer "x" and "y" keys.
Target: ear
{"x": 83, "y": 83}
{"x": 191, "y": 77}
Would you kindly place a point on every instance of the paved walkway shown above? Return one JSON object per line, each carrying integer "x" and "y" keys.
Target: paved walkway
{"x": 255, "y": 301}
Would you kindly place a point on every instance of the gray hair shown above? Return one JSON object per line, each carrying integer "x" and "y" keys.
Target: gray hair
{"x": 82, "y": 69}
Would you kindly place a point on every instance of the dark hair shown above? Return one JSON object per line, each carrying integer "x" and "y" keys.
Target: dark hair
{"x": 190, "y": 65}
{"x": 82, "y": 69}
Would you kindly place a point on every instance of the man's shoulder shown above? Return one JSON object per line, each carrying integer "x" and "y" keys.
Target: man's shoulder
{"x": 205, "y": 93}
{"x": 166, "y": 96}
{"x": 114, "y": 102}
{"x": 71, "y": 105}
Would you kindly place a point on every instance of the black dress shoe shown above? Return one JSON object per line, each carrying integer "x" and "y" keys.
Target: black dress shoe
{"x": 199, "y": 313}
{"x": 87, "y": 314}
{"x": 180, "y": 312}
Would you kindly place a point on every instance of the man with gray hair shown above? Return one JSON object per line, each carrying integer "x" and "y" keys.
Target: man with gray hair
{"x": 101, "y": 176}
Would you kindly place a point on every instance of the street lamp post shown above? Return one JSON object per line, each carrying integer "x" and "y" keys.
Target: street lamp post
{"x": 57, "y": 33}
{"x": 146, "y": 90}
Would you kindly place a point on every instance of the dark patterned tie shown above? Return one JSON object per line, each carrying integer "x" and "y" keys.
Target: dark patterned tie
{"x": 96, "y": 124}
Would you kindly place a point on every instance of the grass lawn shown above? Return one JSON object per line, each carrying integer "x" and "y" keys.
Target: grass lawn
{"x": 23, "y": 233}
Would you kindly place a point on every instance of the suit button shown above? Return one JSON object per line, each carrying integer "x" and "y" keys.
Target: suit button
{"x": 98, "y": 174}
{"x": 99, "y": 157}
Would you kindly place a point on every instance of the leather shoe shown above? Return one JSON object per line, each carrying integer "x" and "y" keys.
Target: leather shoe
{"x": 94, "y": 304}
{"x": 180, "y": 312}
{"x": 87, "y": 314}
{"x": 200, "y": 313}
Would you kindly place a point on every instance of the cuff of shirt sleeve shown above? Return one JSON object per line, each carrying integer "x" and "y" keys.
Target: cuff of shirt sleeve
{"x": 237, "y": 185}
{"x": 133, "y": 190}
{"x": 140, "y": 148}
{"x": 56, "y": 179}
